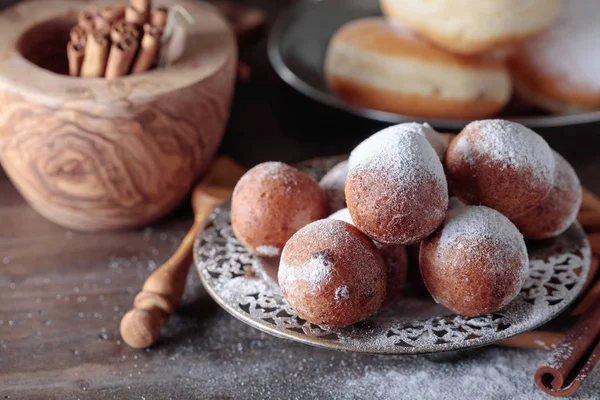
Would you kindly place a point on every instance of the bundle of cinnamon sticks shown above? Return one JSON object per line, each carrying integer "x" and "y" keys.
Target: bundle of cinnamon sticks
{"x": 575, "y": 353}
{"x": 116, "y": 40}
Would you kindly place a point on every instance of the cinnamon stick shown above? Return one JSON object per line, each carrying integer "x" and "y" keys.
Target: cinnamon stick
{"x": 534, "y": 340}
{"x": 123, "y": 29}
{"x": 120, "y": 57}
{"x": 86, "y": 18}
{"x": 144, "y": 6}
{"x": 148, "y": 49}
{"x": 589, "y": 300}
{"x": 96, "y": 54}
{"x": 574, "y": 358}
{"x": 135, "y": 16}
{"x": 113, "y": 13}
{"x": 78, "y": 35}
{"x": 159, "y": 17}
{"x": 75, "y": 54}
{"x": 101, "y": 23}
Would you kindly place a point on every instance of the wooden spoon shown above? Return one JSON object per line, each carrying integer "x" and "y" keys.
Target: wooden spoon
{"x": 163, "y": 290}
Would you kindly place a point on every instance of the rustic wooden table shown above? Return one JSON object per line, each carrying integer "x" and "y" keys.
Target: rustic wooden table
{"x": 63, "y": 293}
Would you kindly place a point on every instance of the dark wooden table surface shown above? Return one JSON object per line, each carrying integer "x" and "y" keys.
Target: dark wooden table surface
{"x": 63, "y": 293}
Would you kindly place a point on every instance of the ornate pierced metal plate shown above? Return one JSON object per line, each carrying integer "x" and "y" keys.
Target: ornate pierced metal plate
{"x": 245, "y": 286}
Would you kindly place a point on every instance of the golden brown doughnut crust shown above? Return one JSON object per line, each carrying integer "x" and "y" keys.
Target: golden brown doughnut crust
{"x": 331, "y": 274}
{"x": 407, "y": 224}
{"x": 270, "y": 203}
{"x": 411, "y": 104}
{"x": 487, "y": 181}
{"x": 464, "y": 285}
{"x": 558, "y": 210}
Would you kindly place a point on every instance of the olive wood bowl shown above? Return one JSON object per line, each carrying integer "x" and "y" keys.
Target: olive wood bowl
{"x": 95, "y": 154}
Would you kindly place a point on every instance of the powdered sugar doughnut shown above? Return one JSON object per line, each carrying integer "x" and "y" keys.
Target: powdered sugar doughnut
{"x": 396, "y": 189}
{"x": 476, "y": 262}
{"x": 558, "y": 210}
{"x": 270, "y": 203}
{"x": 333, "y": 184}
{"x": 502, "y": 165}
{"x": 331, "y": 274}
{"x": 378, "y": 65}
{"x": 472, "y": 27}
{"x": 560, "y": 70}
{"x": 395, "y": 257}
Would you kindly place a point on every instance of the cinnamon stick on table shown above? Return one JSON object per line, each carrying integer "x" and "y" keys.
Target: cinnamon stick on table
{"x": 120, "y": 57}
{"x": 96, "y": 54}
{"x": 534, "y": 340}
{"x": 574, "y": 358}
{"x": 148, "y": 49}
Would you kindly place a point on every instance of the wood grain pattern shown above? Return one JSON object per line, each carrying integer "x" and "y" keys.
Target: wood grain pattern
{"x": 92, "y": 154}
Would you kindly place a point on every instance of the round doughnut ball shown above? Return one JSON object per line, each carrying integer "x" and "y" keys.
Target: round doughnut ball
{"x": 559, "y": 71}
{"x": 333, "y": 184}
{"x": 396, "y": 189}
{"x": 502, "y": 165}
{"x": 476, "y": 263}
{"x": 270, "y": 203}
{"x": 558, "y": 210}
{"x": 394, "y": 256}
{"x": 372, "y": 63}
{"x": 471, "y": 27}
{"x": 331, "y": 274}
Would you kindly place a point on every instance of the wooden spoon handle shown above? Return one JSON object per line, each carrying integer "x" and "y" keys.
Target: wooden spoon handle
{"x": 163, "y": 290}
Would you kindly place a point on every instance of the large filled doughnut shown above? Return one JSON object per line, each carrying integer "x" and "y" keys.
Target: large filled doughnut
{"x": 270, "y": 203}
{"x": 331, "y": 274}
{"x": 500, "y": 164}
{"x": 558, "y": 210}
{"x": 374, "y": 64}
{"x": 474, "y": 26}
{"x": 396, "y": 190}
{"x": 476, "y": 262}
{"x": 560, "y": 70}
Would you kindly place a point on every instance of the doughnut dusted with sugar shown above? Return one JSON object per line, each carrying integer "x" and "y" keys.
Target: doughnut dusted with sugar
{"x": 559, "y": 71}
{"x": 500, "y": 164}
{"x": 476, "y": 262}
{"x": 395, "y": 257}
{"x": 379, "y": 65}
{"x": 471, "y": 27}
{"x": 558, "y": 210}
{"x": 396, "y": 190}
{"x": 270, "y": 203}
{"x": 331, "y": 274}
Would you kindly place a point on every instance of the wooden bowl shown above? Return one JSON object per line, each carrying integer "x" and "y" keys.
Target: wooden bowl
{"x": 94, "y": 154}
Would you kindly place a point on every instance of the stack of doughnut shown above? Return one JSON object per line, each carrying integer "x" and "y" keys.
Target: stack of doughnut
{"x": 464, "y": 59}
{"x": 344, "y": 244}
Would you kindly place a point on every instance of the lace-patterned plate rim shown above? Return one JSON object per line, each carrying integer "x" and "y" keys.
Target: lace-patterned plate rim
{"x": 240, "y": 283}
